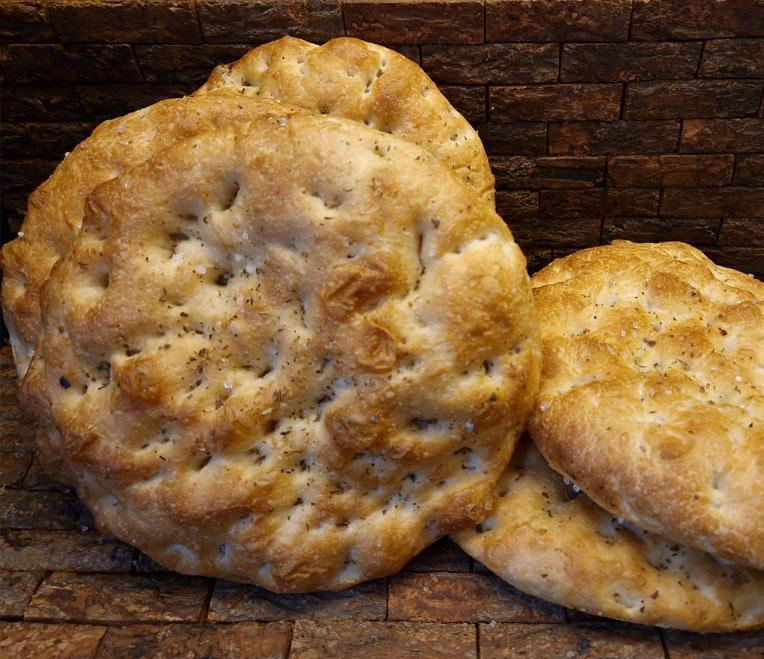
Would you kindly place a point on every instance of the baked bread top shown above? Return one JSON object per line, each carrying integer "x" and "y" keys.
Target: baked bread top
{"x": 292, "y": 352}
{"x": 55, "y": 209}
{"x": 551, "y": 541}
{"x": 652, "y": 394}
{"x": 400, "y": 99}
{"x": 365, "y": 82}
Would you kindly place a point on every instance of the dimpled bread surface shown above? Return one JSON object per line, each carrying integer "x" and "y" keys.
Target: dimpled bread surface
{"x": 55, "y": 209}
{"x": 550, "y": 541}
{"x": 292, "y": 352}
{"x": 399, "y": 98}
{"x": 652, "y": 394}
{"x": 365, "y": 82}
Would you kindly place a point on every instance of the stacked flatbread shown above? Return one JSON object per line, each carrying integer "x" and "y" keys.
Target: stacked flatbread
{"x": 278, "y": 343}
{"x": 652, "y": 403}
{"x": 347, "y": 78}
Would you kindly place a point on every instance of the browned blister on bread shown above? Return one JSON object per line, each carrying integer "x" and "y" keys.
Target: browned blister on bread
{"x": 293, "y": 352}
{"x": 550, "y": 540}
{"x": 652, "y": 395}
{"x": 364, "y": 82}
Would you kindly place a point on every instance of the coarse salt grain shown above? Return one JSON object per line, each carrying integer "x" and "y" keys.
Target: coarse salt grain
{"x": 545, "y": 406}
{"x": 469, "y": 426}
{"x": 228, "y": 384}
{"x": 121, "y": 128}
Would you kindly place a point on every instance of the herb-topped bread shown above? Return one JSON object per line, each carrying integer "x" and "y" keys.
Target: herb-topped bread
{"x": 549, "y": 539}
{"x": 292, "y": 351}
{"x": 55, "y": 209}
{"x": 365, "y": 82}
{"x": 652, "y": 393}
{"x": 345, "y": 77}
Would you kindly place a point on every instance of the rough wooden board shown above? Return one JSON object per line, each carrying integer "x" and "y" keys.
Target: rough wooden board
{"x": 118, "y": 598}
{"x": 244, "y": 639}
{"x": 233, "y": 602}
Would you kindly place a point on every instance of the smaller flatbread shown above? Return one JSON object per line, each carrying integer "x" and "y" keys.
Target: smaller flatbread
{"x": 364, "y": 82}
{"x": 552, "y": 542}
{"x": 652, "y": 394}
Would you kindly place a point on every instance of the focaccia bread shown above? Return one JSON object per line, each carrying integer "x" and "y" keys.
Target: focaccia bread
{"x": 365, "y": 82}
{"x": 292, "y": 352}
{"x": 400, "y": 99}
{"x": 55, "y": 209}
{"x": 652, "y": 394}
{"x": 553, "y": 542}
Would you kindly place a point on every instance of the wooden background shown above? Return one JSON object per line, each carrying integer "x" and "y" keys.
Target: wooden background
{"x": 603, "y": 119}
{"x": 639, "y": 119}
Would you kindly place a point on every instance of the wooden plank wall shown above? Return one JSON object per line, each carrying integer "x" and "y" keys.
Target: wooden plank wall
{"x": 604, "y": 119}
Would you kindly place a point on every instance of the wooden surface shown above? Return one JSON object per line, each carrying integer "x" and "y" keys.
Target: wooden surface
{"x": 68, "y": 591}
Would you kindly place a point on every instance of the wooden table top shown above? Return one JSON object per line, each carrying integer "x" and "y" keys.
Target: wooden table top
{"x": 68, "y": 591}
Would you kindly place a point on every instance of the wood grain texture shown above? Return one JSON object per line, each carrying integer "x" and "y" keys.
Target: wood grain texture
{"x": 667, "y": 92}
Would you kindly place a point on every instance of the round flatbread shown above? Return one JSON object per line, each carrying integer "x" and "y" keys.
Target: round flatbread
{"x": 652, "y": 394}
{"x": 368, "y": 83}
{"x": 553, "y": 542}
{"x": 292, "y": 352}
{"x": 55, "y": 209}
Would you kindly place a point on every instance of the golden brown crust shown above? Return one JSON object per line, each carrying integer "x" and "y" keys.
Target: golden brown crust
{"x": 56, "y": 208}
{"x": 550, "y": 541}
{"x": 652, "y": 395}
{"x": 292, "y": 352}
{"x": 365, "y": 82}
{"x": 333, "y": 77}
